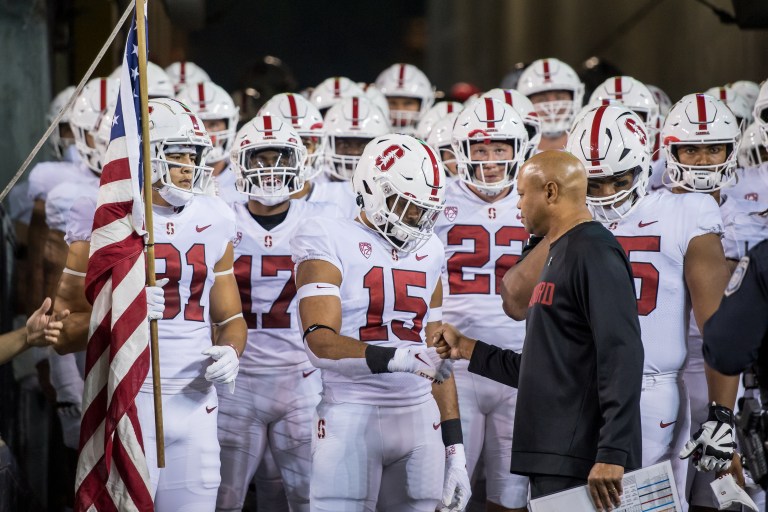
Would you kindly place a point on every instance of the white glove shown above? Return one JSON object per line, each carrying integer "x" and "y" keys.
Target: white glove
{"x": 456, "y": 487}
{"x": 712, "y": 446}
{"x": 156, "y": 300}
{"x": 225, "y": 366}
{"x": 424, "y": 362}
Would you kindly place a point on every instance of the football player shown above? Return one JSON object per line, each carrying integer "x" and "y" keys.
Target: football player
{"x": 483, "y": 236}
{"x": 184, "y": 72}
{"x": 369, "y": 297}
{"x": 409, "y": 93}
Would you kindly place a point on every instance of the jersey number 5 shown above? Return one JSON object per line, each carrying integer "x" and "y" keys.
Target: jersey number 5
{"x": 646, "y": 272}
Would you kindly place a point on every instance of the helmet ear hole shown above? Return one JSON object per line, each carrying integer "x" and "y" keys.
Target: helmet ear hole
{"x": 366, "y": 187}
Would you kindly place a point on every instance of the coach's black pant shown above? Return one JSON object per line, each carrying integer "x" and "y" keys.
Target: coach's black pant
{"x": 541, "y": 485}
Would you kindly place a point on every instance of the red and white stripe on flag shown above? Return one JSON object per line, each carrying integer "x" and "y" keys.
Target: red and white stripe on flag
{"x": 112, "y": 470}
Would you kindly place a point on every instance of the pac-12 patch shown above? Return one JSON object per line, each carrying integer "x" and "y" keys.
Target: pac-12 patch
{"x": 737, "y": 277}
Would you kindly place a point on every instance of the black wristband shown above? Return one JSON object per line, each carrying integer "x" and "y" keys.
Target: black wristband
{"x": 313, "y": 328}
{"x": 452, "y": 432}
{"x": 378, "y": 358}
{"x": 720, "y": 413}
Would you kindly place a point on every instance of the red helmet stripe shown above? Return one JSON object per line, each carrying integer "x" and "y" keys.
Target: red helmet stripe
{"x": 201, "y": 95}
{"x": 489, "y": 113}
{"x": 436, "y": 171}
{"x": 617, "y": 87}
{"x": 336, "y": 87}
{"x": 449, "y": 108}
{"x": 723, "y": 95}
{"x": 103, "y": 95}
{"x": 355, "y": 112}
{"x": 294, "y": 110}
{"x": 594, "y": 136}
{"x": 401, "y": 76}
{"x": 508, "y": 98}
{"x": 701, "y": 106}
{"x": 182, "y": 72}
{"x": 547, "y": 78}
{"x": 268, "y": 126}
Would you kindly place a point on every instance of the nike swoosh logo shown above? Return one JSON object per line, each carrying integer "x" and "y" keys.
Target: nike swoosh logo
{"x": 657, "y": 187}
{"x": 642, "y": 224}
{"x": 209, "y": 410}
{"x": 419, "y": 258}
{"x": 665, "y": 425}
{"x": 324, "y": 287}
{"x": 418, "y": 356}
{"x": 436, "y": 425}
{"x": 307, "y": 374}
{"x": 201, "y": 229}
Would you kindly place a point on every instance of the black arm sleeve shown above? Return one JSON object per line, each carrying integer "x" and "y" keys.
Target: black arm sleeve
{"x": 495, "y": 363}
{"x": 734, "y": 333}
{"x": 611, "y": 309}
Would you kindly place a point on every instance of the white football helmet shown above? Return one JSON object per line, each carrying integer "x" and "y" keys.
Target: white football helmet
{"x": 546, "y": 75}
{"x": 269, "y": 160}
{"x": 662, "y": 100}
{"x": 737, "y": 103}
{"x": 159, "y": 84}
{"x": 437, "y": 112}
{"x": 183, "y": 72}
{"x": 175, "y": 129}
{"x": 212, "y": 102}
{"x": 633, "y": 94}
{"x": 376, "y": 97}
{"x": 700, "y": 119}
{"x": 351, "y": 118}
{"x": 331, "y": 90}
{"x": 58, "y": 144}
{"x": 611, "y": 140}
{"x": 748, "y": 90}
{"x": 760, "y": 111}
{"x": 406, "y": 81}
{"x": 527, "y": 111}
{"x": 440, "y": 140}
{"x": 98, "y": 96}
{"x": 307, "y": 122}
{"x": 487, "y": 121}
{"x": 400, "y": 186}
{"x": 752, "y": 144}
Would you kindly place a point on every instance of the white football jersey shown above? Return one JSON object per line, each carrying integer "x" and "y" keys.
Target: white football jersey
{"x": 80, "y": 220}
{"x": 339, "y": 193}
{"x": 19, "y": 204}
{"x": 482, "y": 241}
{"x": 751, "y": 184}
{"x": 385, "y": 296}
{"x": 188, "y": 244}
{"x": 224, "y": 184}
{"x": 745, "y": 222}
{"x": 264, "y": 272}
{"x": 45, "y": 176}
{"x": 655, "y": 236}
{"x": 62, "y": 197}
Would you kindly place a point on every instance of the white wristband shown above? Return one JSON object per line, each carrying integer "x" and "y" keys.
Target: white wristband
{"x": 73, "y": 272}
{"x": 224, "y": 272}
{"x": 317, "y": 289}
{"x": 435, "y": 315}
{"x": 219, "y": 324}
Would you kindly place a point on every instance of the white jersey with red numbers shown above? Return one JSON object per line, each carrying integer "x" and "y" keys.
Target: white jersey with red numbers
{"x": 655, "y": 236}
{"x": 339, "y": 193}
{"x": 745, "y": 222}
{"x": 45, "y": 176}
{"x": 482, "y": 241}
{"x": 62, "y": 197}
{"x": 188, "y": 244}
{"x": 385, "y": 296}
{"x": 224, "y": 184}
{"x": 264, "y": 272}
{"x": 751, "y": 184}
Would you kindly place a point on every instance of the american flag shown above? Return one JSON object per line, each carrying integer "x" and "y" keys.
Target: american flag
{"x": 112, "y": 470}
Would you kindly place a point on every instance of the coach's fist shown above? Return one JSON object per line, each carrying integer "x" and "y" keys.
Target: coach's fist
{"x": 450, "y": 343}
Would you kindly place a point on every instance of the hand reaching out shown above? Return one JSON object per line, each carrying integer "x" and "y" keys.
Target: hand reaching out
{"x": 451, "y": 344}
{"x": 43, "y": 329}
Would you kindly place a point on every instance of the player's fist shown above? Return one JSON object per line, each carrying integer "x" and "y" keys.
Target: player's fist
{"x": 424, "y": 362}
{"x": 225, "y": 366}
{"x": 712, "y": 445}
{"x": 156, "y": 300}
{"x": 451, "y": 344}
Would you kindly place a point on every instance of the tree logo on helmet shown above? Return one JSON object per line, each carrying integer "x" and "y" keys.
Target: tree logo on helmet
{"x": 635, "y": 128}
{"x": 388, "y": 157}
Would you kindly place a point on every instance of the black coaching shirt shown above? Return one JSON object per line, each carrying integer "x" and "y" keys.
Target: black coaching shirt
{"x": 580, "y": 373}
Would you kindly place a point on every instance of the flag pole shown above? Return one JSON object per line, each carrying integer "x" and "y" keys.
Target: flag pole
{"x": 150, "y": 248}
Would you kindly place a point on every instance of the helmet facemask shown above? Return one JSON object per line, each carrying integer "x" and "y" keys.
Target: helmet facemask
{"x": 618, "y": 205}
{"x": 222, "y": 141}
{"x": 179, "y": 195}
{"x": 485, "y": 174}
{"x": 342, "y": 166}
{"x": 271, "y": 174}
{"x": 700, "y": 177}
{"x": 89, "y": 151}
